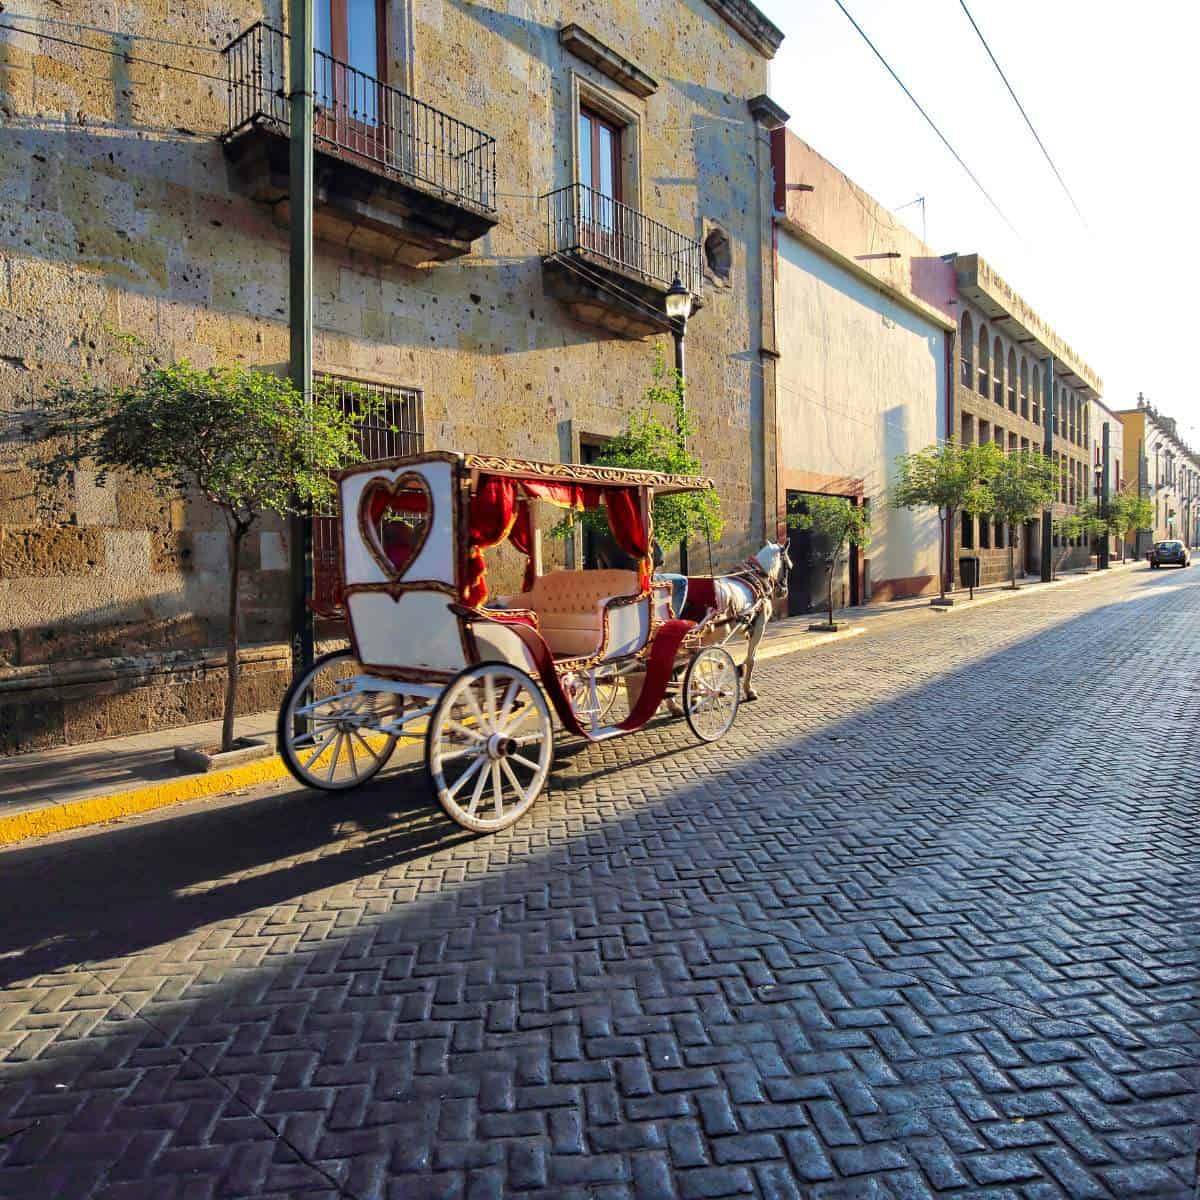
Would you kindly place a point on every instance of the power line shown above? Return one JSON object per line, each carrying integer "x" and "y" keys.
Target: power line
{"x": 133, "y": 37}
{"x": 1021, "y": 110}
{"x": 928, "y": 119}
{"x": 121, "y": 54}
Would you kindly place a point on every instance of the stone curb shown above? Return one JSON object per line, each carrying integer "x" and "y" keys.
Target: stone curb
{"x": 96, "y": 810}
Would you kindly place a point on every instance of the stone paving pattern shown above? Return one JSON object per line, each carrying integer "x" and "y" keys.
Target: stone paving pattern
{"x": 925, "y": 923}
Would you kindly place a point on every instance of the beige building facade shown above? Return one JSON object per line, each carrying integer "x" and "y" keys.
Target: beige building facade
{"x": 503, "y": 198}
{"x": 1167, "y": 472}
{"x": 865, "y": 322}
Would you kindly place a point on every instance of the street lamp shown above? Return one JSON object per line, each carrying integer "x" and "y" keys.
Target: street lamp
{"x": 678, "y": 302}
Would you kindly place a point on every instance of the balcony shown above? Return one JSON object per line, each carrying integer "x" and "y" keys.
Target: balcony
{"x": 611, "y": 265}
{"x": 393, "y": 177}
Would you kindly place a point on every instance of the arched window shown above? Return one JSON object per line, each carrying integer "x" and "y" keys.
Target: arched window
{"x": 998, "y": 372}
{"x": 985, "y": 365}
{"x": 1024, "y": 387}
{"x": 1037, "y": 394}
{"x": 966, "y": 350}
{"x": 1012, "y": 381}
{"x": 1054, "y": 406}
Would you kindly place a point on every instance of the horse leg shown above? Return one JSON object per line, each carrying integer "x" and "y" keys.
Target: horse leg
{"x": 758, "y": 627}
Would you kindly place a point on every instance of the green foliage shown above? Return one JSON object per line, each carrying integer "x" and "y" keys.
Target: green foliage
{"x": 655, "y": 439}
{"x": 1130, "y": 511}
{"x": 839, "y": 522}
{"x": 1021, "y": 483}
{"x": 1093, "y": 523}
{"x": 1070, "y": 526}
{"x": 245, "y": 439}
{"x": 949, "y": 477}
{"x": 835, "y": 519}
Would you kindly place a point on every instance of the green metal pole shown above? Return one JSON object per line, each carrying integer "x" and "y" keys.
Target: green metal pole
{"x": 1104, "y": 499}
{"x": 300, "y": 210}
{"x": 1048, "y": 451}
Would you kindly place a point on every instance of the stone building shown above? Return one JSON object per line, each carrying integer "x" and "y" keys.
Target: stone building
{"x": 1166, "y": 470}
{"x": 865, "y": 321}
{"x": 1012, "y": 367}
{"x": 504, "y": 195}
{"x": 1103, "y": 416}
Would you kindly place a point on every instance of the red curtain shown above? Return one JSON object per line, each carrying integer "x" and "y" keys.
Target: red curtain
{"x": 629, "y": 531}
{"x": 407, "y": 502}
{"x": 522, "y": 537}
{"x": 499, "y": 511}
{"x": 490, "y": 519}
{"x": 565, "y": 495}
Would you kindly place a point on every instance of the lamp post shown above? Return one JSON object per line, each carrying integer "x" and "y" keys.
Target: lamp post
{"x": 678, "y": 303}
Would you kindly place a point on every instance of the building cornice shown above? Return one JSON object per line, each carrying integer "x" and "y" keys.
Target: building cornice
{"x": 765, "y": 37}
{"x": 607, "y": 61}
{"x": 980, "y": 284}
{"x": 914, "y": 305}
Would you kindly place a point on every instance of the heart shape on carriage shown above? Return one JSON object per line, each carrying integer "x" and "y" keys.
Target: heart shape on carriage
{"x": 395, "y": 517}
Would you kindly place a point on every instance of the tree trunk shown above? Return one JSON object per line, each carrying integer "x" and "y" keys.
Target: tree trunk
{"x": 832, "y": 568}
{"x": 945, "y": 553}
{"x": 1012, "y": 562}
{"x": 236, "y": 534}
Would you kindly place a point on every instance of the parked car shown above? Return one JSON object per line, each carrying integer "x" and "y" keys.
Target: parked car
{"x": 1173, "y": 552}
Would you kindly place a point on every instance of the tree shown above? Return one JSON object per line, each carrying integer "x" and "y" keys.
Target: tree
{"x": 651, "y": 443}
{"x": 950, "y": 478}
{"x": 1021, "y": 484}
{"x": 1129, "y": 512}
{"x": 838, "y": 521}
{"x": 246, "y": 440}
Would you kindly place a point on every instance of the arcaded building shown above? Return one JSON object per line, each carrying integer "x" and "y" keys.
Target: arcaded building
{"x": 504, "y": 194}
{"x": 1015, "y": 375}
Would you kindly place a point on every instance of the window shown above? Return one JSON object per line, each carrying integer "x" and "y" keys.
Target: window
{"x": 966, "y": 350}
{"x": 985, "y": 534}
{"x": 985, "y": 363}
{"x": 1037, "y": 395}
{"x": 1024, "y": 388}
{"x": 600, "y": 154}
{"x": 1012, "y": 381}
{"x": 718, "y": 255}
{"x": 397, "y": 427}
{"x": 998, "y": 372}
{"x": 968, "y": 531}
{"x": 348, "y": 38}
{"x": 968, "y": 432}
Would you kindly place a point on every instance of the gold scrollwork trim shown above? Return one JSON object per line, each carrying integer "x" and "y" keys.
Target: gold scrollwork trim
{"x": 584, "y": 473}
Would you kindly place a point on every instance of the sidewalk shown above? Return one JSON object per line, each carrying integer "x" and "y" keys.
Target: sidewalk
{"x": 75, "y": 786}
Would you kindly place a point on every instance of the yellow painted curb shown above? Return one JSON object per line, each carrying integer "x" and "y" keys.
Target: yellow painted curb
{"x": 93, "y": 810}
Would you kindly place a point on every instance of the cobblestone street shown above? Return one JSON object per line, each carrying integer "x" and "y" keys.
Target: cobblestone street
{"x": 925, "y": 923}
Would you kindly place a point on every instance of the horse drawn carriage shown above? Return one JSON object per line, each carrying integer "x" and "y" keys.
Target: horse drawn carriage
{"x": 434, "y": 656}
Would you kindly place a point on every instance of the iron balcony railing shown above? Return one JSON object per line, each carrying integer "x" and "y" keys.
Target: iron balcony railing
{"x": 360, "y": 118}
{"x": 580, "y": 218}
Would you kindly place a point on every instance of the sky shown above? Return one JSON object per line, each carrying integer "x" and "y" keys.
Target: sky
{"x": 1114, "y": 92}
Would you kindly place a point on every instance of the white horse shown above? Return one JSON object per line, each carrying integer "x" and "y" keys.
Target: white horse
{"x": 743, "y": 600}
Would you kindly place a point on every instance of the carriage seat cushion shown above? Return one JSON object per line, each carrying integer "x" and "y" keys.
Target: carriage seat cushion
{"x": 570, "y": 606}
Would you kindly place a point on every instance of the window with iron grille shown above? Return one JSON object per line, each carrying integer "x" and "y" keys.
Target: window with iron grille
{"x": 395, "y": 428}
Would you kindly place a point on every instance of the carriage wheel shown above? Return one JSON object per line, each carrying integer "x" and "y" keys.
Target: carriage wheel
{"x": 579, "y": 692}
{"x": 488, "y": 746}
{"x": 710, "y": 693}
{"x": 327, "y": 733}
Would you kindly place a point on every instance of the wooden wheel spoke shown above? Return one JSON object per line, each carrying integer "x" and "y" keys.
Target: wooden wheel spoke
{"x": 465, "y": 776}
{"x": 365, "y": 744}
{"x": 337, "y": 751}
{"x": 526, "y": 762}
{"x": 465, "y": 730}
{"x": 320, "y": 748}
{"x": 497, "y": 790}
{"x": 475, "y": 795}
{"x": 513, "y": 780}
{"x": 510, "y": 694}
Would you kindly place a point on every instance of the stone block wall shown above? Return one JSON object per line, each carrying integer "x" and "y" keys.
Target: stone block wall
{"x": 120, "y": 214}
